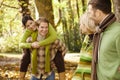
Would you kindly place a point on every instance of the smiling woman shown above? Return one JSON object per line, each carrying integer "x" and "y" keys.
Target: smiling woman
{"x": 43, "y": 57}
{"x": 25, "y": 61}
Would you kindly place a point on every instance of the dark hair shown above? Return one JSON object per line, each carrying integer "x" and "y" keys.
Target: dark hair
{"x": 103, "y": 5}
{"x": 42, "y": 19}
{"x": 25, "y": 19}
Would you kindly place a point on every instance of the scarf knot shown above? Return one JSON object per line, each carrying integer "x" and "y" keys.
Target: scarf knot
{"x": 98, "y": 30}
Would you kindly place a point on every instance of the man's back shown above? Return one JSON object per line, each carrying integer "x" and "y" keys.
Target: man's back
{"x": 109, "y": 53}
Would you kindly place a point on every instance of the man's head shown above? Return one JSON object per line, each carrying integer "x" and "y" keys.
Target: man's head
{"x": 98, "y": 9}
{"x": 103, "y": 5}
{"x": 43, "y": 24}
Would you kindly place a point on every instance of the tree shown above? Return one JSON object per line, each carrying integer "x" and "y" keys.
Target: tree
{"x": 10, "y": 29}
{"x": 45, "y": 9}
{"x": 66, "y": 15}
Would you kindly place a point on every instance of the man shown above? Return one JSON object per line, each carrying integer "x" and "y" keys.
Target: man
{"x": 106, "y": 52}
{"x": 30, "y": 27}
{"x": 27, "y": 20}
{"x": 45, "y": 55}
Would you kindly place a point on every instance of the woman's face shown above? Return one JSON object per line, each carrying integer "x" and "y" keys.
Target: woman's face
{"x": 43, "y": 29}
{"x": 31, "y": 25}
{"x": 85, "y": 30}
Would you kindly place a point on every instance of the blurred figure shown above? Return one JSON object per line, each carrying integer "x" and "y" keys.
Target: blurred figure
{"x": 87, "y": 25}
{"x": 106, "y": 43}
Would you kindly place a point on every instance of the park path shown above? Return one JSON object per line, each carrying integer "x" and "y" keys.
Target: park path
{"x": 9, "y": 65}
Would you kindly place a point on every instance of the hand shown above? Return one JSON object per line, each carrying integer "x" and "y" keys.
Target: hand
{"x": 35, "y": 45}
{"x": 29, "y": 39}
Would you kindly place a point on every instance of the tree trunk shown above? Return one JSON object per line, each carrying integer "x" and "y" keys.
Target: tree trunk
{"x": 45, "y": 9}
{"x": 116, "y": 7}
{"x": 77, "y": 9}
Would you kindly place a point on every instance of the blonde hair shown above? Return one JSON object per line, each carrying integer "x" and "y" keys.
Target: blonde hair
{"x": 87, "y": 22}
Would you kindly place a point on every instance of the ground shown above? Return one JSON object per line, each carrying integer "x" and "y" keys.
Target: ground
{"x": 9, "y": 66}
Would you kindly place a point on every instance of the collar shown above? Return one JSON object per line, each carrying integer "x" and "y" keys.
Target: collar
{"x": 40, "y": 38}
{"x": 104, "y": 18}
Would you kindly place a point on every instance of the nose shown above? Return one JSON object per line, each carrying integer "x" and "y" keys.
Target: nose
{"x": 32, "y": 26}
{"x": 44, "y": 29}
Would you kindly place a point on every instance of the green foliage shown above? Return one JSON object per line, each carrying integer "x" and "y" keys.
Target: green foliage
{"x": 67, "y": 17}
{"x": 9, "y": 43}
{"x": 10, "y": 26}
{"x": 67, "y": 13}
{"x": 73, "y": 37}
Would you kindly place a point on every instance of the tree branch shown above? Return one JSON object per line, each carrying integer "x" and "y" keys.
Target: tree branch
{"x": 9, "y": 6}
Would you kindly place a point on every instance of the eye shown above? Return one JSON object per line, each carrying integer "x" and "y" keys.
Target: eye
{"x": 42, "y": 26}
{"x": 31, "y": 22}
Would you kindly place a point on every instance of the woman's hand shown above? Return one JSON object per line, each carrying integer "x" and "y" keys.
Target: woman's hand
{"x": 35, "y": 45}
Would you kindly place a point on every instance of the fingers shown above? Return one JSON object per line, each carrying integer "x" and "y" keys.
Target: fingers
{"x": 35, "y": 45}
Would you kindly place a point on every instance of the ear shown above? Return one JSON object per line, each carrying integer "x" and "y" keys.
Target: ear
{"x": 98, "y": 13}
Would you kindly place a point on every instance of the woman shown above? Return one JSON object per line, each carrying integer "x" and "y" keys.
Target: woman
{"x": 44, "y": 56}
{"x": 87, "y": 25}
{"x": 29, "y": 23}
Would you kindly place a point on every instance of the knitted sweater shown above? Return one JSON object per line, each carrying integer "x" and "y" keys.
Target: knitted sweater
{"x": 52, "y": 36}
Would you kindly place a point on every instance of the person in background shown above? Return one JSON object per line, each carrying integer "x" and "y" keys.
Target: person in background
{"x": 106, "y": 43}
{"x": 87, "y": 25}
{"x": 30, "y": 26}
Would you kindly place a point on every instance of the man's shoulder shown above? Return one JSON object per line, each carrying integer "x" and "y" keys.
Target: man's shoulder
{"x": 115, "y": 24}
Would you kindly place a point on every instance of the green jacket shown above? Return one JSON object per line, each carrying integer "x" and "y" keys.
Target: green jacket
{"x": 52, "y": 36}
{"x": 109, "y": 53}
